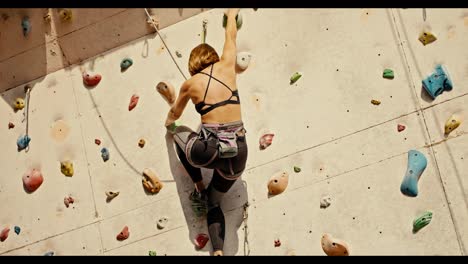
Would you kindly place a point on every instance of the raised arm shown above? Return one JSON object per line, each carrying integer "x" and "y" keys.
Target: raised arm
{"x": 229, "y": 50}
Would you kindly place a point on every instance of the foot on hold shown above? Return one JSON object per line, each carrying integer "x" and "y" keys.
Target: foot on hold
{"x": 243, "y": 60}
{"x": 66, "y": 167}
{"x": 266, "y": 140}
{"x": 151, "y": 181}
{"x": 124, "y": 234}
{"x": 422, "y": 221}
{"x": 125, "y": 64}
{"x": 438, "y": 82}
{"x": 452, "y": 123}
{"x": 32, "y": 179}
{"x": 23, "y": 142}
{"x": 334, "y": 247}
{"x": 278, "y": 183}
{"x": 167, "y": 91}
{"x": 4, "y": 234}
{"x": 133, "y": 102}
{"x": 388, "y": 74}
{"x": 199, "y": 203}
{"x": 296, "y": 76}
{"x": 26, "y": 26}
{"x": 111, "y": 195}
{"x": 201, "y": 240}
{"x": 162, "y": 222}
{"x": 427, "y": 38}
{"x": 91, "y": 79}
{"x": 417, "y": 163}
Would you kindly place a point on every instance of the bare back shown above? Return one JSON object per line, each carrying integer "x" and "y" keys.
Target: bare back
{"x": 217, "y": 92}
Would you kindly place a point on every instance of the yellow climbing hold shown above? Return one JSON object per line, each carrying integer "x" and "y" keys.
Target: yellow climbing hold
{"x": 65, "y": 14}
{"x": 67, "y": 168}
{"x": 452, "y": 123}
{"x": 427, "y": 38}
{"x": 19, "y": 103}
{"x": 375, "y": 102}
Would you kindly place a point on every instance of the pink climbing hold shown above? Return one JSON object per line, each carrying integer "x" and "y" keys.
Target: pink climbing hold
{"x": 91, "y": 80}
{"x": 97, "y": 141}
{"x": 4, "y": 234}
{"x": 133, "y": 102}
{"x": 201, "y": 240}
{"x": 124, "y": 234}
{"x": 68, "y": 200}
{"x": 266, "y": 140}
{"x": 400, "y": 128}
{"x": 32, "y": 179}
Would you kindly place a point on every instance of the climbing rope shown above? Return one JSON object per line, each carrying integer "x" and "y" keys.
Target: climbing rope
{"x": 170, "y": 53}
{"x": 205, "y": 23}
{"x": 246, "y": 230}
{"x": 27, "y": 90}
{"x": 424, "y": 14}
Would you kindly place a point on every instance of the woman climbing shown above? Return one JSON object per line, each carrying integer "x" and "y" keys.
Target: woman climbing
{"x": 221, "y": 143}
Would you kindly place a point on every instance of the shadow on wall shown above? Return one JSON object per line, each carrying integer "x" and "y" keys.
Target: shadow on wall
{"x": 26, "y": 57}
{"x": 232, "y": 212}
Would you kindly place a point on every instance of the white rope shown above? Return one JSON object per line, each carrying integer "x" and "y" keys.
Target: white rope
{"x": 170, "y": 53}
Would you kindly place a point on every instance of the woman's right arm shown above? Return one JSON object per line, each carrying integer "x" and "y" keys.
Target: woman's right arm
{"x": 229, "y": 51}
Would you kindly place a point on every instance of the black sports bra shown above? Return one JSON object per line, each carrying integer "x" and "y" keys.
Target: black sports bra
{"x": 200, "y": 106}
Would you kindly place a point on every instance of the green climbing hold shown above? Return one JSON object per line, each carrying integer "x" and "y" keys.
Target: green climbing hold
{"x": 422, "y": 221}
{"x": 238, "y": 20}
{"x": 172, "y": 127}
{"x": 388, "y": 74}
{"x": 295, "y": 77}
{"x": 126, "y": 63}
{"x": 152, "y": 253}
{"x": 297, "y": 169}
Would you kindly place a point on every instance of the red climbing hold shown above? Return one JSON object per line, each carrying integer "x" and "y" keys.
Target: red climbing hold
{"x": 97, "y": 141}
{"x": 400, "y": 128}
{"x": 4, "y": 234}
{"x": 11, "y": 125}
{"x": 266, "y": 140}
{"x": 32, "y": 179}
{"x": 201, "y": 240}
{"x": 277, "y": 243}
{"x": 91, "y": 80}
{"x": 133, "y": 102}
{"x": 68, "y": 200}
{"x": 124, "y": 234}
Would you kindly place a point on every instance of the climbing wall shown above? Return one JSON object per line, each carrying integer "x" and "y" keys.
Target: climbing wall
{"x": 346, "y": 147}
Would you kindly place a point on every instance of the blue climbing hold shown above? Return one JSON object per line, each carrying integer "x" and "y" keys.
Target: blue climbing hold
{"x": 26, "y": 25}
{"x": 105, "y": 154}
{"x": 417, "y": 163}
{"x": 23, "y": 142}
{"x": 125, "y": 64}
{"x": 17, "y": 230}
{"x": 438, "y": 82}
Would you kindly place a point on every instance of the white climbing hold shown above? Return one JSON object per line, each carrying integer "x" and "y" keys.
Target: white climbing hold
{"x": 325, "y": 201}
{"x": 162, "y": 222}
{"x": 243, "y": 60}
